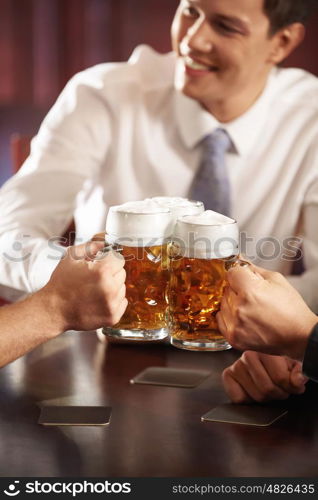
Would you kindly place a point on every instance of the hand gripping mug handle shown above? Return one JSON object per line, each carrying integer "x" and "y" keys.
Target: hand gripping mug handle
{"x": 236, "y": 263}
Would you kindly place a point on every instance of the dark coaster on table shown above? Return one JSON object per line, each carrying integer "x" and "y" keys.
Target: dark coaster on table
{"x": 75, "y": 415}
{"x": 257, "y": 415}
{"x": 173, "y": 377}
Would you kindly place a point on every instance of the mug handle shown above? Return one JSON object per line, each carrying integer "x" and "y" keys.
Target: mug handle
{"x": 234, "y": 263}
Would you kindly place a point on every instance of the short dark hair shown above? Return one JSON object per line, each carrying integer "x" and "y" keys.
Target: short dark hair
{"x": 284, "y": 12}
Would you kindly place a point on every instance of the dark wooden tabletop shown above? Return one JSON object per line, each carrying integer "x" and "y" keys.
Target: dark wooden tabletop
{"x": 154, "y": 431}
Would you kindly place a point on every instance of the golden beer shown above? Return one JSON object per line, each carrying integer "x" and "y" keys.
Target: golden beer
{"x": 204, "y": 247}
{"x": 141, "y": 231}
{"x": 147, "y": 279}
{"x": 195, "y": 293}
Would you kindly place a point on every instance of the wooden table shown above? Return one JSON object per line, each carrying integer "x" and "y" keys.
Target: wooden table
{"x": 154, "y": 431}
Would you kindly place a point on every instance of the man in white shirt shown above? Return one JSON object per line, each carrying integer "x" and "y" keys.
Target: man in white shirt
{"x": 126, "y": 131}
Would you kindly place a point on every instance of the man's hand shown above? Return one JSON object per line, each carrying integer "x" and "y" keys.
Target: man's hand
{"x": 260, "y": 377}
{"x": 261, "y": 311}
{"x": 87, "y": 289}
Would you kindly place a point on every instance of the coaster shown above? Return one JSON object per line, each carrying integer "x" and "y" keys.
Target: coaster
{"x": 173, "y": 377}
{"x": 257, "y": 415}
{"x": 75, "y": 415}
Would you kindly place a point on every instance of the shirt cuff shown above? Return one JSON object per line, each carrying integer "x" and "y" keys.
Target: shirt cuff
{"x": 43, "y": 266}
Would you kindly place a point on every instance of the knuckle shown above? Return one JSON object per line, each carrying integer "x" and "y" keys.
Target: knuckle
{"x": 236, "y": 366}
{"x": 225, "y": 375}
{"x": 106, "y": 265}
{"x": 116, "y": 315}
{"x": 113, "y": 316}
{"x": 240, "y": 314}
{"x": 247, "y": 297}
{"x": 107, "y": 278}
{"x": 121, "y": 276}
{"x": 123, "y": 290}
{"x": 248, "y": 357}
{"x": 232, "y": 333}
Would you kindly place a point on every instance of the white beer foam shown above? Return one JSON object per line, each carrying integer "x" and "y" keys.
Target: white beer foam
{"x": 175, "y": 201}
{"x": 179, "y": 206}
{"x": 139, "y": 223}
{"x": 208, "y": 218}
{"x": 147, "y": 206}
{"x": 209, "y": 235}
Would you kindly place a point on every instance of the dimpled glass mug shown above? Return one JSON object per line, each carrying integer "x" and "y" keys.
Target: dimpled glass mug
{"x": 203, "y": 248}
{"x": 141, "y": 231}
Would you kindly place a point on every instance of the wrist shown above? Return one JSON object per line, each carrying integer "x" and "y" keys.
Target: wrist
{"x": 299, "y": 346}
{"x": 48, "y": 303}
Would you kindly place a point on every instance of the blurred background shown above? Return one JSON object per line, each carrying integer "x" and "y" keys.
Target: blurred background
{"x": 44, "y": 42}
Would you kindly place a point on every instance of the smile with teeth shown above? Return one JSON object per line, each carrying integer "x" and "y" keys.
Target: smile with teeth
{"x": 190, "y": 63}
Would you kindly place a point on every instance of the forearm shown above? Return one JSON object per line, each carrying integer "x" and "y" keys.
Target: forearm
{"x": 27, "y": 324}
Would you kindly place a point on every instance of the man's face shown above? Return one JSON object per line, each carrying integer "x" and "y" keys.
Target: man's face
{"x": 224, "y": 49}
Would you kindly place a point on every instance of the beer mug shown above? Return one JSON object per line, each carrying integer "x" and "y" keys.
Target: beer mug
{"x": 203, "y": 248}
{"x": 140, "y": 231}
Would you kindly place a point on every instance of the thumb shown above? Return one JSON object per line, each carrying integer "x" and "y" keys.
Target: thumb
{"x": 261, "y": 272}
{"x": 297, "y": 379}
{"x": 242, "y": 278}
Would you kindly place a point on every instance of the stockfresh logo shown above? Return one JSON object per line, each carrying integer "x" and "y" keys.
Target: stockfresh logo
{"x": 13, "y": 489}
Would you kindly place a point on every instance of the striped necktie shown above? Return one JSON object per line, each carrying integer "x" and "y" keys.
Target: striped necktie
{"x": 211, "y": 184}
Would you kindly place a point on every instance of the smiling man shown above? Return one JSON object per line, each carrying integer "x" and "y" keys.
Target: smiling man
{"x": 126, "y": 131}
{"x": 227, "y": 48}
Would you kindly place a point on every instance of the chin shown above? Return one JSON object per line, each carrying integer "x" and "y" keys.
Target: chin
{"x": 194, "y": 89}
{"x": 195, "y": 92}
{"x": 189, "y": 92}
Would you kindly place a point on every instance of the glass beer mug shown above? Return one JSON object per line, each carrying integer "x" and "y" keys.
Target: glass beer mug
{"x": 140, "y": 231}
{"x": 203, "y": 248}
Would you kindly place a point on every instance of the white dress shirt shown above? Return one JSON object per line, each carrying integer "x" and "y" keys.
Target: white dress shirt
{"x": 121, "y": 132}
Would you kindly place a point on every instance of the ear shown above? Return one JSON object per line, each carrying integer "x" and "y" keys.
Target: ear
{"x": 285, "y": 41}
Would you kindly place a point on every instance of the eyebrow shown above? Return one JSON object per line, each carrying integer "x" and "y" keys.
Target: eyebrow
{"x": 235, "y": 21}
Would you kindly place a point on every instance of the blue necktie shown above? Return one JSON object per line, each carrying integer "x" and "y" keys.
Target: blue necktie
{"x": 211, "y": 184}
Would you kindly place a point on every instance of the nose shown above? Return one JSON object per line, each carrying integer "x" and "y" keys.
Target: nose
{"x": 199, "y": 37}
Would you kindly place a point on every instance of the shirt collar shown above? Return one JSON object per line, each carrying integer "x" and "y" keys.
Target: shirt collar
{"x": 195, "y": 123}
